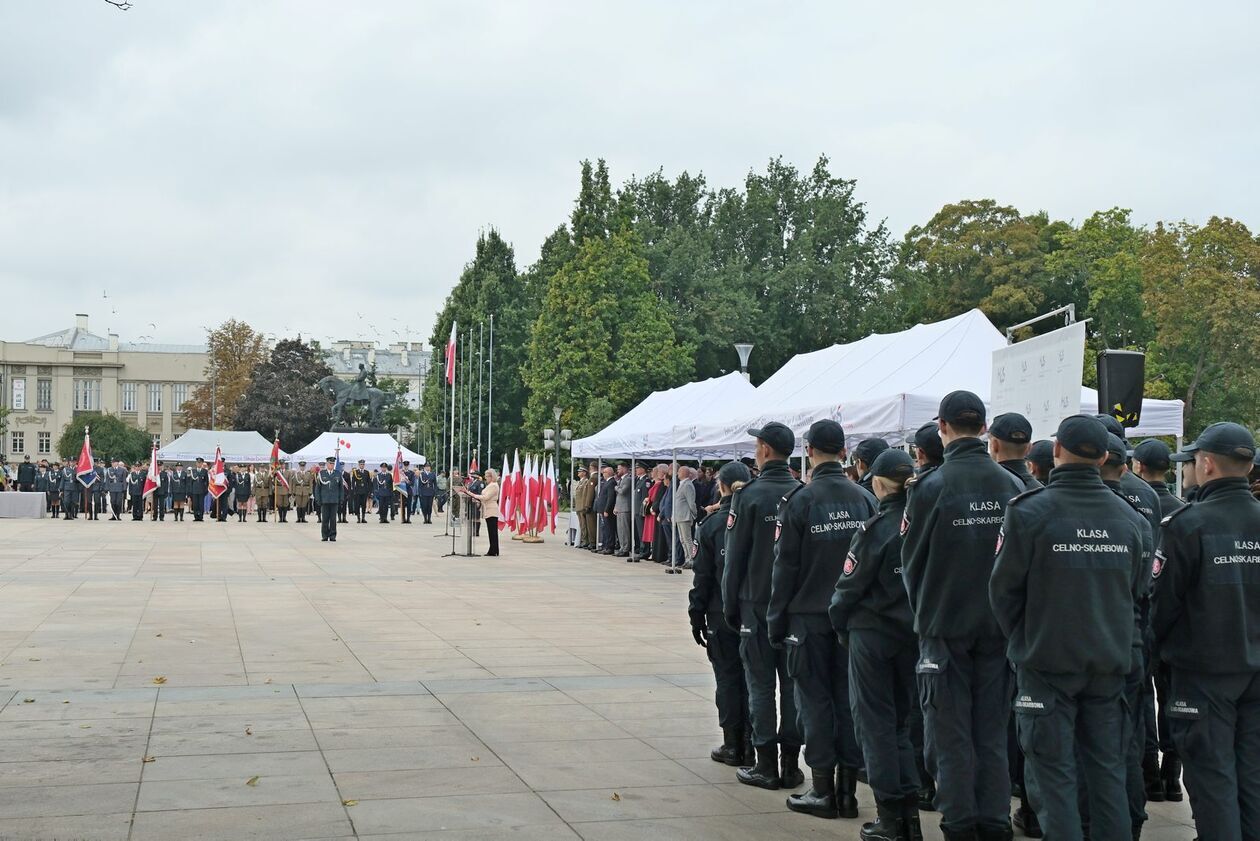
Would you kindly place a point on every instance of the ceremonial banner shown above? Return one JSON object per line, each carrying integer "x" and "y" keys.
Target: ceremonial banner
{"x": 85, "y": 468}
{"x": 218, "y": 475}
{"x": 151, "y": 479}
{"x": 1040, "y": 378}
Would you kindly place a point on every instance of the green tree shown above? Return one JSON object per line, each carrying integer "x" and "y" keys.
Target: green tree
{"x": 112, "y": 438}
{"x": 234, "y": 349}
{"x": 282, "y": 395}
{"x": 593, "y": 211}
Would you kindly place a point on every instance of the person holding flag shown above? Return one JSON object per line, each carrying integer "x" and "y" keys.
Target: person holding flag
{"x": 85, "y": 474}
{"x": 151, "y": 480}
{"x": 218, "y": 484}
{"x": 401, "y": 482}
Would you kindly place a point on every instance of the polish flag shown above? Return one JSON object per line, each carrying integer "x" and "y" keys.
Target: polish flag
{"x": 151, "y": 478}
{"x": 514, "y": 501}
{"x": 275, "y": 463}
{"x": 86, "y": 468}
{"x": 218, "y": 476}
{"x": 555, "y": 496}
{"x": 505, "y": 491}
{"x": 450, "y": 356}
{"x": 527, "y": 498}
{"x": 539, "y": 508}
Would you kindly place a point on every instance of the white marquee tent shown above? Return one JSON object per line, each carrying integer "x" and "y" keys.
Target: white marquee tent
{"x": 882, "y": 386}
{"x": 646, "y": 431}
{"x": 238, "y": 447}
{"x": 373, "y": 447}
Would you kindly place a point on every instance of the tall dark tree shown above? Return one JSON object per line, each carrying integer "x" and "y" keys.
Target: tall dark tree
{"x": 112, "y": 437}
{"x": 282, "y": 395}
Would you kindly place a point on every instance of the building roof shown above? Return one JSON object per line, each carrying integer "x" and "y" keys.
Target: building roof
{"x": 388, "y": 362}
{"x": 80, "y": 339}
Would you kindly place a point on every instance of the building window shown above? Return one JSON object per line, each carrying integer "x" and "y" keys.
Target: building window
{"x": 45, "y": 442}
{"x": 155, "y": 397}
{"x": 179, "y": 396}
{"x": 43, "y": 395}
{"x": 128, "y": 397}
{"x": 87, "y": 395}
{"x": 17, "y": 442}
{"x": 19, "y": 394}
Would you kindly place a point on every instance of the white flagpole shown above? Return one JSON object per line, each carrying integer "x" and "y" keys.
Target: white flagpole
{"x": 490, "y": 407}
{"x": 481, "y": 379}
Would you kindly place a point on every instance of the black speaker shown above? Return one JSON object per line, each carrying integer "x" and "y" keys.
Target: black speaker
{"x": 1121, "y": 380}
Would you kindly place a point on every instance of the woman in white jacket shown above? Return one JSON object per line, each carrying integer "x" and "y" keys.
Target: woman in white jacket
{"x": 489, "y": 499}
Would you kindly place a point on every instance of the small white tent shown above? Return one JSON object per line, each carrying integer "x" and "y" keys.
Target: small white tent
{"x": 238, "y": 447}
{"x": 374, "y": 448}
{"x": 646, "y": 431}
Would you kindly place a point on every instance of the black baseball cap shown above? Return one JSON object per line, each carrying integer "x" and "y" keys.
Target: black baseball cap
{"x": 1225, "y": 439}
{"x": 1117, "y": 449}
{"x": 1153, "y": 453}
{"x": 1011, "y": 427}
{"x": 869, "y": 450}
{"x": 826, "y": 436}
{"x": 734, "y": 471}
{"x": 1083, "y": 436}
{"x": 1113, "y": 426}
{"x": 928, "y": 439}
{"x": 780, "y": 439}
{"x": 893, "y": 464}
{"x": 1041, "y": 453}
{"x": 962, "y": 407}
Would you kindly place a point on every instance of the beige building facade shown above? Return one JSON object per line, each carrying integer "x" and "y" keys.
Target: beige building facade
{"x": 48, "y": 380}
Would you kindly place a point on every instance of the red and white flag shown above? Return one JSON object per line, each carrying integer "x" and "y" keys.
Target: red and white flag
{"x": 473, "y": 467}
{"x": 513, "y": 495}
{"x": 555, "y": 495}
{"x": 527, "y": 497}
{"x": 538, "y": 503}
{"x": 151, "y": 479}
{"x": 450, "y": 355}
{"x": 86, "y": 467}
{"x": 218, "y": 476}
{"x": 275, "y": 463}
{"x": 505, "y": 493}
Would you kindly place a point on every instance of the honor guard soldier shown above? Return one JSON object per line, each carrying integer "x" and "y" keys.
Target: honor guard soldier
{"x": 815, "y": 526}
{"x": 160, "y": 493}
{"x": 383, "y": 491}
{"x": 864, "y": 455}
{"x": 871, "y": 615}
{"x": 1010, "y": 438}
{"x": 1040, "y": 460}
{"x": 709, "y": 630}
{"x": 198, "y": 487}
{"x": 97, "y": 491}
{"x": 264, "y": 492}
{"x": 179, "y": 491}
{"x": 360, "y": 489}
{"x": 330, "y": 496}
{"x": 244, "y": 488}
{"x": 71, "y": 492}
{"x": 953, "y": 514}
{"x": 584, "y": 505}
{"x": 1206, "y": 618}
{"x": 750, "y": 536}
{"x": 281, "y": 492}
{"x": 1070, "y": 570}
{"x": 300, "y": 485}
{"x": 135, "y": 490}
{"x": 116, "y": 487}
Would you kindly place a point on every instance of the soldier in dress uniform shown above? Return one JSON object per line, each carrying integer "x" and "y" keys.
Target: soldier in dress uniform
{"x": 583, "y": 504}
{"x": 244, "y": 487}
{"x": 282, "y": 492}
{"x": 383, "y": 491}
{"x": 135, "y": 490}
{"x": 97, "y": 492}
{"x": 116, "y": 487}
{"x": 300, "y": 485}
{"x": 160, "y": 493}
{"x": 198, "y": 487}
{"x": 180, "y": 487}
{"x": 70, "y": 492}
{"x": 360, "y": 490}
{"x": 264, "y": 487}
{"x": 331, "y": 491}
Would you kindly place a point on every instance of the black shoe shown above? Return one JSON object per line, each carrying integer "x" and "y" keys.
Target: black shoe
{"x": 732, "y": 748}
{"x": 960, "y": 834}
{"x": 765, "y": 774}
{"x": 910, "y": 814}
{"x": 1152, "y": 782}
{"x": 990, "y": 834}
{"x": 846, "y": 793}
{"x": 790, "y": 774}
{"x": 1170, "y": 772}
{"x": 820, "y": 799}
{"x": 1025, "y": 820}
{"x": 889, "y": 823}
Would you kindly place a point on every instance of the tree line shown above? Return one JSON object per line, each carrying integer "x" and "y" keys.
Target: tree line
{"x": 649, "y": 285}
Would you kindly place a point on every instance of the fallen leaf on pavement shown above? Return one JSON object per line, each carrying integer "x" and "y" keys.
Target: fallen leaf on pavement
{"x": 149, "y": 759}
{"x": 159, "y": 679}
{"x": 349, "y": 802}
{"x": 616, "y": 796}
{"x": 252, "y": 781}
{"x": 249, "y": 731}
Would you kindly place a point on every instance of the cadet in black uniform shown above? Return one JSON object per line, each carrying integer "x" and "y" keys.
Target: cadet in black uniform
{"x": 1041, "y": 460}
{"x": 750, "y": 536}
{"x": 360, "y": 489}
{"x": 1151, "y": 462}
{"x": 1070, "y": 569}
{"x": 198, "y": 487}
{"x": 1189, "y": 482}
{"x": 816, "y": 523}
{"x": 929, "y": 451}
{"x": 864, "y": 455}
{"x": 953, "y": 514}
{"x": 330, "y": 497}
{"x": 244, "y": 487}
{"x": 135, "y": 490}
{"x": 869, "y": 609}
{"x": 708, "y": 628}
{"x": 1206, "y": 617}
{"x": 1010, "y": 439}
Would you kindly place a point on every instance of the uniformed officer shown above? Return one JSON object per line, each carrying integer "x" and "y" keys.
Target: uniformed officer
{"x": 1206, "y": 618}
{"x": 1040, "y": 460}
{"x": 360, "y": 488}
{"x": 870, "y": 611}
{"x": 929, "y": 452}
{"x": 281, "y": 490}
{"x": 69, "y": 492}
{"x": 1010, "y": 439}
{"x": 1189, "y": 481}
{"x": 953, "y": 514}
{"x": 300, "y": 485}
{"x": 1070, "y": 569}
{"x": 244, "y": 488}
{"x": 180, "y": 488}
{"x": 864, "y": 455}
{"x": 160, "y": 493}
{"x": 198, "y": 487}
{"x": 928, "y": 449}
{"x": 116, "y": 487}
{"x": 330, "y": 495}
{"x": 135, "y": 490}
{"x": 750, "y": 537}
{"x": 708, "y": 628}
{"x": 815, "y": 526}
{"x": 97, "y": 491}
{"x": 583, "y": 503}
{"x": 383, "y": 491}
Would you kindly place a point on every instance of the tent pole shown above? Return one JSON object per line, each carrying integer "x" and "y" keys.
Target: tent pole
{"x": 481, "y": 380}
{"x": 599, "y": 515}
{"x": 1180, "y": 444}
{"x": 634, "y": 538}
{"x": 673, "y": 526}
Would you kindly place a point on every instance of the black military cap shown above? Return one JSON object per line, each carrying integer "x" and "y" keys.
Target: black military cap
{"x": 331, "y": 460}
{"x": 301, "y": 464}
{"x": 581, "y": 470}
{"x": 383, "y": 464}
{"x": 200, "y": 459}
{"x": 1225, "y": 439}
{"x": 1012, "y": 427}
{"x": 1113, "y": 426}
{"x": 1083, "y": 436}
{"x": 361, "y": 461}
{"x": 781, "y": 439}
{"x": 893, "y": 464}
{"x": 826, "y": 436}
{"x": 1153, "y": 453}
{"x": 928, "y": 439}
{"x": 869, "y": 450}
{"x": 962, "y": 407}
{"x": 734, "y": 471}
{"x": 1117, "y": 450}
{"x": 1181, "y": 457}
{"x": 1042, "y": 453}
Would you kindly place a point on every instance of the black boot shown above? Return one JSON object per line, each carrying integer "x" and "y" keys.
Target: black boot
{"x": 910, "y": 814}
{"x": 765, "y": 774}
{"x": 791, "y": 776}
{"x": 1170, "y": 771}
{"x": 1003, "y": 834}
{"x": 846, "y": 792}
{"x": 732, "y": 748}
{"x": 1025, "y": 820}
{"x": 889, "y": 823}
{"x": 750, "y": 752}
{"x": 820, "y": 799}
{"x": 1151, "y": 780}
{"x": 960, "y": 834}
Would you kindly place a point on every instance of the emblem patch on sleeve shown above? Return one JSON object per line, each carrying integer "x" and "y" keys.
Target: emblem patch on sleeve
{"x": 778, "y": 530}
{"x": 1158, "y": 566}
{"x": 730, "y": 520}
{"x": 850, "y": 564}
{"x": 905, "y": 524}
{"x": 1001, "y": 539}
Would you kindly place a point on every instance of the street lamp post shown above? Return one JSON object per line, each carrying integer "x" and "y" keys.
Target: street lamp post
{"x": 744, "y": 349}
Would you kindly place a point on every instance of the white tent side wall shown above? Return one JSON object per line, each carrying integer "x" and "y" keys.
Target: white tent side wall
{"x": 373, "y": 448}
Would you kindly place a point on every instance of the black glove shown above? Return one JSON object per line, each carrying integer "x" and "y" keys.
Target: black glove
{"x": 700, "y": 635}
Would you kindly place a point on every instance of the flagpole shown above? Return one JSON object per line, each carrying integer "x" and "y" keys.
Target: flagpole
{"x": 490, "y": 402}
{"x": 450, "y": 470}
{"x": 481, "y": 377}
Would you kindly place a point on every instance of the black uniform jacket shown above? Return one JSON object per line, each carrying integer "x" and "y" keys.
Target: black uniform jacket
{"x": 871, "y": 594}
{"x": 704, "y": 602}
{"x": 750, "y": 527}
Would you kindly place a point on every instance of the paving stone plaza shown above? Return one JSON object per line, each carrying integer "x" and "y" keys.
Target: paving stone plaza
{"x": 246, "y": 681}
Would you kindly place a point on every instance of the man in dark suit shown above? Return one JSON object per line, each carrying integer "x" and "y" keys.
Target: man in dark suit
{"x": 605, "y": 499}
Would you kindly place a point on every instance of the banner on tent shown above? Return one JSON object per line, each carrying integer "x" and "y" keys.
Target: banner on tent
{"x": 1040, "y": 378}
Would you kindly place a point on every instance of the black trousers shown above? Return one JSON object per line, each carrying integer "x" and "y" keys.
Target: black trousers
{"x": 137, "y": 508}
{"x": 159, "y": 508}
{"x": 116, "y": 501}
{"x": 1072, "y": 726}
{"x": 358, "y": 506}
{"x": 607, "y": 532}
{"x": 819, "y": 668}
{"x": 731, "y": 696}
{"x": 426, "y": 508}
{"x": 404, "y": 506}
{"x": 492, "y": 529}
{"x": 382, "y": 508}
{"x": 882, "y": 693}
{"x": 328, "y": 520}
{"x": 964, "y": 691}
{"x": 765, "y": 670}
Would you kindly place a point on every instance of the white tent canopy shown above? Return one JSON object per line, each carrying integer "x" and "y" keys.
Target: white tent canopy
{"x": 883, "y": 386}
{"x": 373, "y": 448}
{"x": 238, "y": 447}
{"x": 646, "y": 431}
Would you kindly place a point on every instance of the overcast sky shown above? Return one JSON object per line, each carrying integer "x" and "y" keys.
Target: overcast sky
{"x": 325, "y": 167}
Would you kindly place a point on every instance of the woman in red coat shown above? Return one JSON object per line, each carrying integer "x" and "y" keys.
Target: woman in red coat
{"x": 649, "y": 514}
